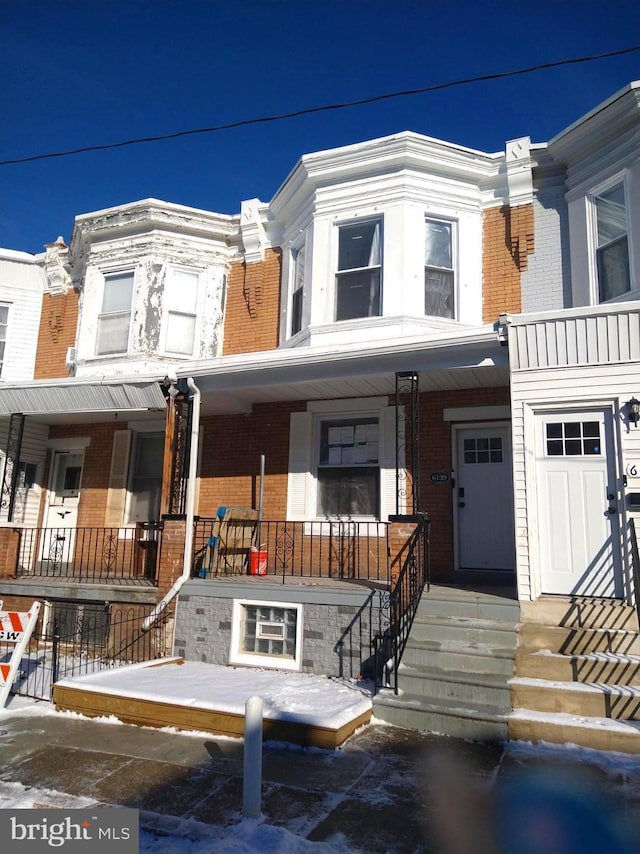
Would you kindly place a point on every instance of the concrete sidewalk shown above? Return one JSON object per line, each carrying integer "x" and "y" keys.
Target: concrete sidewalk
{"x": 372, "y": 793}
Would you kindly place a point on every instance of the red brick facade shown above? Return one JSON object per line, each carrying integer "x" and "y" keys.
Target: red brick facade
{"x": 508, "y": 238}
{"x": 252, "y": 310}
{"x": 57, "y": 333}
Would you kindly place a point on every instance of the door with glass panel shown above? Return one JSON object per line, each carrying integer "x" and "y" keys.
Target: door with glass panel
{"x": 578, "y": 518}
{"x": 61, "y": 513}
{"x": 484, "y": 495}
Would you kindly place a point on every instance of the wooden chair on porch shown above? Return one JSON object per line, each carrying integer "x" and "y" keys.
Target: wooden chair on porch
{"x": 230, "y": 541}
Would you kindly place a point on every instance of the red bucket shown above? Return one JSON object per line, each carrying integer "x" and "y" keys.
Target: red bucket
{"x": 257, "y": 562}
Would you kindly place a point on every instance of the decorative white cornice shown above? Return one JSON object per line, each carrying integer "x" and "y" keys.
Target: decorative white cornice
{"x": 519, "y": 177}
{"x": 253, "y": 215}
{"x": 56, "y": 261}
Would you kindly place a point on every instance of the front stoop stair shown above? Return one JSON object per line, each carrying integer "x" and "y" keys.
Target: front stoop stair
{"x": 456, "y": 666}
{"x": 577, "y": 674}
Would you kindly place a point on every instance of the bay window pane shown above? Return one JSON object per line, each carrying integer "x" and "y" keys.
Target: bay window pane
{"x": 438, "y": 293}
{"x": 359, "y": 246}
{"x": 358, "y": 294}
{"x": 180, "y": 332}
{"x": 117, "y": 293}
{"x": 611, "y": 214}
{"x": 113, "y": 333}
{"x": 438, "y": 244}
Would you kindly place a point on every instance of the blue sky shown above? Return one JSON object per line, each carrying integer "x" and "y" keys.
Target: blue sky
{"x": 76, "y": 73}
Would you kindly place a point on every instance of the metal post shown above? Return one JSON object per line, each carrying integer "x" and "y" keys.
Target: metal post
{"x": 252, "y": 783}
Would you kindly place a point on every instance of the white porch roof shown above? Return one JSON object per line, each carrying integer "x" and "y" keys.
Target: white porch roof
{"x": 232, "y": 384}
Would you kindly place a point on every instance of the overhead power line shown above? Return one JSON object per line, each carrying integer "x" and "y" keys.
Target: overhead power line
{"x": 323, "y": 108}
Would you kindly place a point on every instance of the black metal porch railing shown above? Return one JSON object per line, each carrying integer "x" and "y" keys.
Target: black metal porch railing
{"x": 403, "y": 604}
{"x": 76, "y": 638}
{"x": 340, "y": 550}
{"x": 90, "y": 554}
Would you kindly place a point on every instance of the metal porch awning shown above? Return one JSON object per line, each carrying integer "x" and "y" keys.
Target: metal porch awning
{"x": 72, "y": 397}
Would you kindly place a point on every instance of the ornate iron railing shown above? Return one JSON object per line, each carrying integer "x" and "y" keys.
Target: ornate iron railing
{"x": 75, "y": 638}
{"x": 402, "y": 605}
{"x": 90, "y": 554}
{"x": 341, "y": 550}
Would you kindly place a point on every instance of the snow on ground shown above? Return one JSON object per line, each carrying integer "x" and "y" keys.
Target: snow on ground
{"x": 316, "y": 700}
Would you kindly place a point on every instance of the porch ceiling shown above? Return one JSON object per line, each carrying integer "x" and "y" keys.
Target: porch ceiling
{"x": 221, "y": 401}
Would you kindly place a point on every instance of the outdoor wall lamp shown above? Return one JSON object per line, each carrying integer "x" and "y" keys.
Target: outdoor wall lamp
{"x": 633, "y": 410}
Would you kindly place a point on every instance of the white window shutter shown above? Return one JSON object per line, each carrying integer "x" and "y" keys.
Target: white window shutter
{"x": 117, "y": 494}
{"x": 300, "y": 475}
{"x": 388, "y": 462}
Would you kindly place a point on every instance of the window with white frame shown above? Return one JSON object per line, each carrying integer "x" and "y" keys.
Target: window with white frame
{"x": 4, "y": 323}
{"x": 342, "y": 461}
{"x": 266, "y": 634}
{"x": 181, "y": 304}
{"x": 359, "y": 273}
{"x": 145, "y": 481}
{"x": 612, "y": 243}
{"x": 114, "y": 320}
{"x": 297, "y": 289}
{"x": 348, "y": 473}
{"x": 439, "y": 274}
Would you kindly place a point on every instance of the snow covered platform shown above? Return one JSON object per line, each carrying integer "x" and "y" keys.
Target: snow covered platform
{"x": 299, "y": 708}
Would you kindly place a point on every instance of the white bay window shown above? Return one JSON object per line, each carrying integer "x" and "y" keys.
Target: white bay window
{"x": 181, "y": 302}
{"x": 612, "y": 243}
{"x": 114, "y": 320}
{"x": 439, "y": 276}
{"x": 359, "y": 273}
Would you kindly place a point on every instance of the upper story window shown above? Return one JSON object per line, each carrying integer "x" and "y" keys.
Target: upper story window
{"x": 4, "y": 323}
{"x": 358, "y": 278}
{"x": 181, "y": 302}
{"x": 114, "y": 320}
{"x": 612, "y": 244}
{"x": 439, "y": 274}
{"x": 297, "y": 290}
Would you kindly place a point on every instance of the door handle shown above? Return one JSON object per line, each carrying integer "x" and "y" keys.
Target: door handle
{"x": 612, "y": 510}
{"x": 461, "y": 504}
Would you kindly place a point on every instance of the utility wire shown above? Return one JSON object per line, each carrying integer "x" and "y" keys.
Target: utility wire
{"x": 323, "y": 108}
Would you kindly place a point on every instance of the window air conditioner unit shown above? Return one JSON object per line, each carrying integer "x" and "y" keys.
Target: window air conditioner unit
{"x": 71, "y": 357}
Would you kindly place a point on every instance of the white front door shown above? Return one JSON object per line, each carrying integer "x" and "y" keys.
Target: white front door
{"x": 61, "y": 513}
{"x": 577, "y": 507}
{"x": 484, "y": 497}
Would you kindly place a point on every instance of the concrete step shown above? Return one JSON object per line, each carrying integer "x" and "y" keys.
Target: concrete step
{"x": 572, "y": 612}
{"x": 464, "y": 630}
{"x": 558, "y": 728}
{"x": 449, "y": 601}
{"x": 576, "y": 641}
{"x": 487, "y": 689}
{"x": 576, "y": 698}
{"x": 474, "y": 721}
{"x": 595, "y": 667}
{"x": 472, "y": 657}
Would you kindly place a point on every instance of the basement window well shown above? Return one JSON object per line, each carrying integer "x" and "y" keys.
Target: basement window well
{"x": 266, "y": 634}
